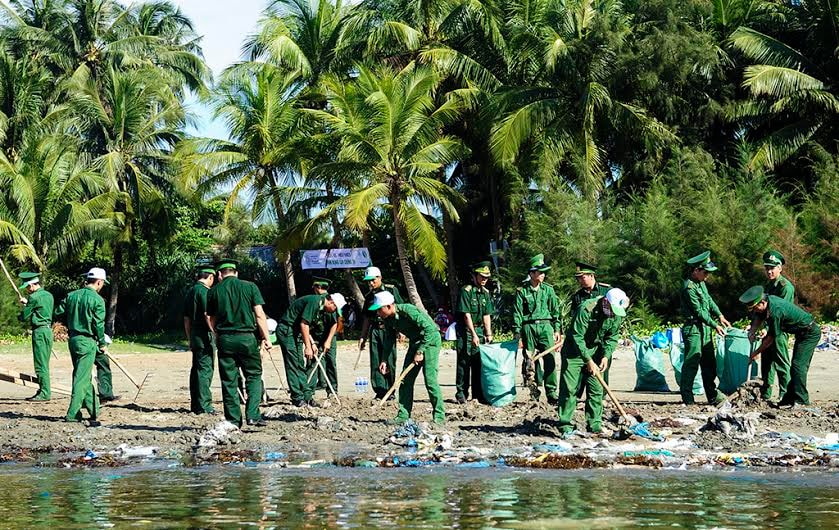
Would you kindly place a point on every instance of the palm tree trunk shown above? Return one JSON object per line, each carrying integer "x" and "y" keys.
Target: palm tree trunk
{"x": 451, "y": 270}
{"x": 288, "y": 268}
{"x": 402, "y": 252}
{"x": 114, "y": 274}
{"x": 429, "y": 284}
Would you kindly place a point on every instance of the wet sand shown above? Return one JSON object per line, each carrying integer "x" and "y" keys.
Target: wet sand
{"x": 160, "y": 415}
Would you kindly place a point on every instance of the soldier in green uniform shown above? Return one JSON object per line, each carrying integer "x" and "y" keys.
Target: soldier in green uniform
{"x": 699, "y": 311}
{"x": 775, "y": 359}
{"x": 84, "y": 311}
{"x": 197, "y": 329}
{"x": 589, "y": 343}
{"x": 382, "y": 346}
{"x": 783, "y": 317}
{"x": 295, "y": 337}
{"x": 423, "y": 349}
{"x": 37, "y": 314}
{"x": 536, "y": 321}
{"x": 474, "y": 312}
{"x": 234, "y": 308}
{"x": 325, "y": 342}
{"x": 586, "y": 276}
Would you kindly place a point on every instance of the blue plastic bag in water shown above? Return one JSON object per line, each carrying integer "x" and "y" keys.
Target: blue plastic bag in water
{"x": 498, "y": 372}
{"x": 649, "y": 367}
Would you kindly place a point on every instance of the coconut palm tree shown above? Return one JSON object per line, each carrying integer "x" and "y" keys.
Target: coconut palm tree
{"x": 267, "y": 147}
{"x": 393, "y": 147}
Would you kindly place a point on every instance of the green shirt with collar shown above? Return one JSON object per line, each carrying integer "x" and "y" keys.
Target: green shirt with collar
{"x": 231, "y": 302}
{"x": 540, "y": 303}
{"x": 84, "y": 311}
{"x": 786, "y": 317}
{"x": 697, "y": 306}
{"x": 195, "y": 307}
{"x": 782, "y": 288}
{"x": 592, "y": 334}
{"x": 477, "y": 302}
{"x": 416, "y": 325}
{"x": 308, "y": 309}
{"x": 38, "y": 309}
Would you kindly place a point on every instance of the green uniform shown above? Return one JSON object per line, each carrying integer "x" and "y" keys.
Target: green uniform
{"x": 330, "y": 359}
{"x": 382, "y": 344}
{"x": 423, "y": 336}
{"x": 784, "y": 317}
{"x": 577, "y": 299}
{"x": 475, "y": 301}
{"x": 308, "y": 309}
{"x": 232, "y": 303}
{"x": 200, "y": 342}
{"x": 699, "y": 311}
{"x": 84, "y": 311}
{"x": 37, "y": 313}
{"x": 775, "y": 359}
{"x": 591, "y": 336}
{"x": 536, "y": 318}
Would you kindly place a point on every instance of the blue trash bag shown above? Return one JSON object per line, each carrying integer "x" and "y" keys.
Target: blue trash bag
{"x": 649, "y": 367}
{"x": 677, "y": 358}
{"x": 733, "y": 353}
{"x": 660, "y": 340}
{"x": 498, "y": 372}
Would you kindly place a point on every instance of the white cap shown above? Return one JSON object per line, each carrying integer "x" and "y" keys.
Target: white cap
{"x": 371, "y": 273}
{"x": 338, "y": 298}
{"x": 96, "y": 273}
{"x": 381, "y": 299}
{"x": 272, "y": 325}
{"x": 618, "y": 300}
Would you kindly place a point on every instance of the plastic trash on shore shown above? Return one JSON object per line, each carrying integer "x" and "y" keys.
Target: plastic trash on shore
{"x": 139, "y": 451}
{"x": 731, "y": 424}
{"x": 649, "y": 364}
{"x": 220, "y": 434}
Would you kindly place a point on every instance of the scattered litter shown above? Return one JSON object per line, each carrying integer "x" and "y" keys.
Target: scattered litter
{"x": 560, "y": 447}
{"x": 731, "y": 424}
{"x": 136, "y": 452}
{"x": 274, "y": 456}
{"x": 556, "y": 461}
{"x": 221, "y": 434}
{"x": 229, "y": 457}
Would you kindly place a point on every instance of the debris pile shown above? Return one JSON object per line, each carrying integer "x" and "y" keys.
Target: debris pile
{"x": 222, "y": 434}
{"x": 743, "y": 426}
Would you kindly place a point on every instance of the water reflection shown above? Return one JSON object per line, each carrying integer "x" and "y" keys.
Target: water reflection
{"x": 262, "y": 497}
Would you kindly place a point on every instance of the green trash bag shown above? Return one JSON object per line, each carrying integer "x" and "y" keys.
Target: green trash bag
{"x": 498, "y": 372}
{"x": 733, "y": 353}
{"x": 677, "y": 358}
{"x": 649, "y": 367}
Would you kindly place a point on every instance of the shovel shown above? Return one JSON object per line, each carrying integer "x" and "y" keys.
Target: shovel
{"x": 396, "y": 383}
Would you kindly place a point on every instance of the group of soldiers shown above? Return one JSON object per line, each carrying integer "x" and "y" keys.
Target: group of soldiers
{"x": 225, "y": 313}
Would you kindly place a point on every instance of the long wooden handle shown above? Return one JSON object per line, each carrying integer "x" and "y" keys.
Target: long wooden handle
{"x": 546, "y": 352}
{"x": 397, "y": 383}
{"x": 122, "y": 368}
{"x": 9, "y": 277}
{"x": 357, "y": 359}
{"x": 279, "y": 377}
{"x": 599, "y": 377}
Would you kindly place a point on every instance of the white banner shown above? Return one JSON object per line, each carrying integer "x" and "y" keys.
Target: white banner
{"x": 336, "y": 258}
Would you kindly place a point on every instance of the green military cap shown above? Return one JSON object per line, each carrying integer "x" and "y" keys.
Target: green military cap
{"x": 318, "y": 281}
{"x": 227, "y": 263}
{"x": 205, "y": 267}
{"x": 482, "y": 268}
{"x": 585, "y": 268}
{"x": 703, "y": 261}
{"x": 773, "y": 258}
{"x": 537, "y": 263}
{"x": 752, "y": 296}
{"x": 29, "y": 278}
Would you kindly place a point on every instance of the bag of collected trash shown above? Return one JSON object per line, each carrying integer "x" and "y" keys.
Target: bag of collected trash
{"x": 733, "y": 358}
{"x": 649, "y": 367}
{"x": 677, "y": 358}
{"x": 660, "y": 340}
{"x": 498, "y": 372}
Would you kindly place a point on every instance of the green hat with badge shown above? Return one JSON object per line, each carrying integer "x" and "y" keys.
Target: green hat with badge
{"x": 323, "y": 283}
{"x": 773, "y": 258}
{"x": 584, "y": 268}
{"x": 537, "y": 263}
{"x": 753, "y": 296}
{"x": 205, "y": 267}
{"x": 482, "y": 268}
{"x": 227, "y": 263}
{"x": 29, "y": 278}
{"x": 703, "y": 261}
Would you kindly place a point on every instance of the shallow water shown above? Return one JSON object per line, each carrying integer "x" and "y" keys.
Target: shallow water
{"x": 271, "y": 497}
